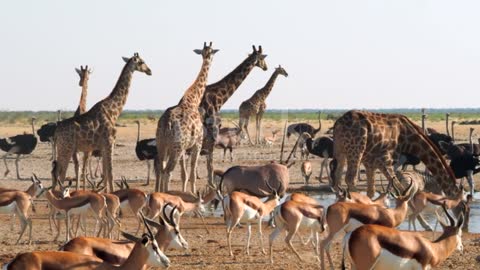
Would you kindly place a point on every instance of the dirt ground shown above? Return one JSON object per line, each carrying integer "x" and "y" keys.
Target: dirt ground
{"x": 207, "y": 250}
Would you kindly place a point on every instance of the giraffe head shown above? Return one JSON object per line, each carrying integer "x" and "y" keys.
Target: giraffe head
{"x": 260, "y": 57}
{"x": 207, "y": 52}
{"x": 281, "y": 71}
{"x": 84, "y": 73}
{"x": 138, "y": 64}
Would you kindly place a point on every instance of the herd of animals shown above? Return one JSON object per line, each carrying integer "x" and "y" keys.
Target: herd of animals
{"x": 247, "y": 194}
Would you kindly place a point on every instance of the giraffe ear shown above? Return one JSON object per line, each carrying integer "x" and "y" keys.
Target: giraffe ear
{"x": 78, "y": 71}
{"x": 198, "y": 51}
{"x": 215, "y": 51}
{"x": 126, "y": 59}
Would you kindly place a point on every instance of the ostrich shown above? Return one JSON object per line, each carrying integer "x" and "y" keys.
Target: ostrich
{"x": 22, "y": 144}
{"x": 473, "y": 148}
{"x": 46, "y": 132}
{"x": 146, "y": 150}
{"x": 299, "y": 128}
{"x": 320, "y": 147}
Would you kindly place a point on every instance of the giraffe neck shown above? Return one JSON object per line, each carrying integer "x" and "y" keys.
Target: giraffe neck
{"x": 82, "y": 106}
{"x": 263, "y": 93}
{"x": 218, "y": 93}
{"x": 419, "y": 145}
{"x": 194, "y": 93}
{"x": 114, "y": 103}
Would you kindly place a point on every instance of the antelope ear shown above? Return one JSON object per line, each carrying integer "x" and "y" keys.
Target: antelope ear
{"x": 130, "y": 237}
{"x": 145, "y": 239}
{"x": 460, "y": 221}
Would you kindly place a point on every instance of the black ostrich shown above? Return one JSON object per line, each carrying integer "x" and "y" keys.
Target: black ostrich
{"x": 146, "y": 150}
{"x": 23, "y": 144}
{"x": 300, "y": 128}
{"x": 466, "y": 166}
{"x": 320, "y": 147}
{"x": 46, "y": 132}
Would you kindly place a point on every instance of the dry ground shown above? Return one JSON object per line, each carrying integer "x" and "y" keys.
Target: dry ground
{"x": 207, "y": 250}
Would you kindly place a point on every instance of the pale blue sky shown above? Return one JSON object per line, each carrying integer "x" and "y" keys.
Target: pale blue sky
{"x": 339, "y": 54}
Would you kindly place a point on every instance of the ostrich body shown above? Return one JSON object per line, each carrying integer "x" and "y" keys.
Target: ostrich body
{"x": 146, "y": 150}
{"x": 23, "y": 144}
{"x": 320, "y": 147}
{"x": 299, "y": 128}
{"x": 46, "y": 132}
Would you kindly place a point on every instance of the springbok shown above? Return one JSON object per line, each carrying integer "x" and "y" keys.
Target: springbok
{"x": 293, "y": 215}
{"x": 157, "y": 200}
{"x": 344, "y": 195}
{"x": 306, "y": 169}
{"x": 145, "y": 251}
{"x": 349, "y": 216}
{"x": 379, "y": 247}
{"x": 269, "y": 141}
{"x": 116, "y": 252}
{"x": 18, "y": 202}
{"x": 240, "y": 207}
{"x": 132, "y": 198}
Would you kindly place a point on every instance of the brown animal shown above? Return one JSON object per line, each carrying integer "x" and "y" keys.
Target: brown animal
{"x": 254, "y": 179}
{"x": 379, "y": 247}
{"x": 306, "y": 169}
{"x": 349, "y": 216}
{"x": 228, "y": 140}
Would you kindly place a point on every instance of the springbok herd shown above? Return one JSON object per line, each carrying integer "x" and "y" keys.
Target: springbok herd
{"x": 244, "y": 194}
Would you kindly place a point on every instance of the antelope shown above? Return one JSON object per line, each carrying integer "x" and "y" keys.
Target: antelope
{"x": 132, "y": 198}
{"x": 34, "y": 190}
{"x": 345, "y": 195}
{"x": 240, "y": 207}
{"x": 112, "y": 207}
{"x": 145, "y": 251}
{"x": 157, "y": 200}
{"x": 253, "y": 179}
{"x": 348, "y": 216}
{"x": 379, "y": 247}
{"x": 18, "y": 202}
{"x": 77, "y": 205}
{"x": 306, "y": 169}
{"x": 423, "y": 199}
{"x": 292, "y": 215}
{"x": 116, "y": 252}
{"x": 269, "y": 141}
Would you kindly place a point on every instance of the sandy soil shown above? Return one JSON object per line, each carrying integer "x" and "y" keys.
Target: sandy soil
{"x": 207, "y": 250}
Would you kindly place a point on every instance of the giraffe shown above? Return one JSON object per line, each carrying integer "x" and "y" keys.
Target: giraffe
{"x": 376, "y": 140}
{"x": 256, "y": 105}
{"x": 95, "y": 129}
{"x": 217, "y": 94}
{"x": 180, "y": 129}
{"x": 84, "y": 74}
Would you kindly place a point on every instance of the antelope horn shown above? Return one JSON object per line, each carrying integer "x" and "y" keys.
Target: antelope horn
{"x": 172, "y": 219}
{"x": 146, "y": 225}
{"x": 450, "y": 218}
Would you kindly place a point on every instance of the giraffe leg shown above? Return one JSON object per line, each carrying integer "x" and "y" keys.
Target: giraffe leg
{"x": 248, "y": 133}
{"x": 62, "y": 165}
{"x": 76, "y": 165}
{"x": 107, "y": 154}
{"x": 370, "y": 172}
{"x": 210, "y": 166}
{"x": 167, "y": 175}
{"x": 16, "y": 166}
{"x": 353, "y": 166}
{"x": 158, "y": 165}
{"x": 148, "y": 172}
{"x": 340, "y": 161}
{"x": 193, "y": 166}
{"x": 260, "y": 132}
{"x": 86, "y": 158}
{"x": 183, "y": 170}
{"x": 387, "y": 170}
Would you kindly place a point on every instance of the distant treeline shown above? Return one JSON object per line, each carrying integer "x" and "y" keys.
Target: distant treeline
{"x": 465, "y": 115}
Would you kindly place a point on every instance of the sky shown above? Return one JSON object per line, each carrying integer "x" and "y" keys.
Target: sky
{"x": 338, "y": 54}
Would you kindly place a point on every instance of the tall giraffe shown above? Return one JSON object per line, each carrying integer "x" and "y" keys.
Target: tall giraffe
{"x": 180, "y": 129}
{"x": 376, "y": 140}
{"x": 84, "y": 74}
{"x": 95, "y": 129}
{"x": 216, "y": 94}
{"x": 256, "y": 105}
